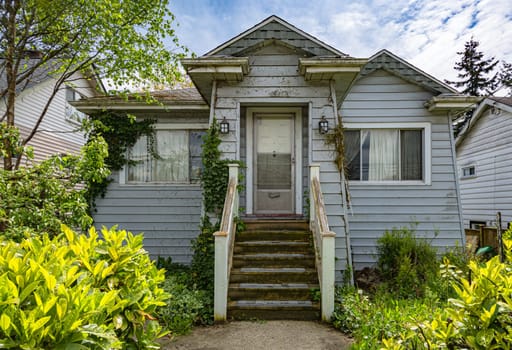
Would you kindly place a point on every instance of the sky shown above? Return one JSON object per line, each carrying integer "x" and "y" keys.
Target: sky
{"x": 426, "y": 33}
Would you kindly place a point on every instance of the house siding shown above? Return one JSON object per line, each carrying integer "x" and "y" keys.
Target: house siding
{"x": 490, "y": 191}
{"x": 168, "y": 216}
{"x": 56, "y": 134}
{"x": 433, "y": 210}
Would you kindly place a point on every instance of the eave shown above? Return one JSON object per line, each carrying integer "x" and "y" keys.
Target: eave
{"x": 89, "y": 106}
{"x": 451, "y": 103}
{"x": 343, "y": 71}
{"x": 204, "y": 71}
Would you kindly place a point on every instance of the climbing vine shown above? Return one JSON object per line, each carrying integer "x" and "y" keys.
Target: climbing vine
{"x": 121, "y": 131}
{"x": 335, "y": 139}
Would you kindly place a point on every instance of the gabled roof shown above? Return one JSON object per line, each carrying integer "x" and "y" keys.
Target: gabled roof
{"x": 492, "y": 102}
{"x": 390, "y": 62}
{"x": 275, "y": 28}
{"x": 43, "y": 73}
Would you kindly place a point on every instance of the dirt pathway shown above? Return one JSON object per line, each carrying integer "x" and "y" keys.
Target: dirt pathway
{"x": 261, "y": 335}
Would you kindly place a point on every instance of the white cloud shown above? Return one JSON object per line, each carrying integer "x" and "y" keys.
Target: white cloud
{"x": 427, "y": 33}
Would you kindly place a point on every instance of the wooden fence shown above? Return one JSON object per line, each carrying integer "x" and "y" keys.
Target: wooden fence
{"x": 484, "y": 236}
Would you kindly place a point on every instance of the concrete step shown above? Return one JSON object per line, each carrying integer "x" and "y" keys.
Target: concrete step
{"x": 274, "y": 260}
{"x": 272, "y": 247}
{"x": 273, "y": 310}
{"x": 271, "y": 291}
{"x": 274, "y": 275}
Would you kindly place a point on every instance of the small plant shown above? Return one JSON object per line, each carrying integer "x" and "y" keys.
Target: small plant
{"x": 405, "y": 262}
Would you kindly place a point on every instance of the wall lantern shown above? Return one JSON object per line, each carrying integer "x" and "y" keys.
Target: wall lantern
{"x": 224, "y": 126}
{"x": 323, "y": 125}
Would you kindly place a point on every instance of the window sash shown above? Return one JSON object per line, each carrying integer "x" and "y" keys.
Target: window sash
{"x": 178, "y": 161}
{"x": 385, "y": 154}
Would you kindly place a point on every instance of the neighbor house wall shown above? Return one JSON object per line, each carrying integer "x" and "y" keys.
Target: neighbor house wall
{"x": 56, "y": 134}
{"x": 381, "y": 97}
{"x": 487, "y": 147}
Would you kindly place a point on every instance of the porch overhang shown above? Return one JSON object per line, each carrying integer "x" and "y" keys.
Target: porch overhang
{"x": 205, "y": 70}
{"x": 343, "y": 71}
{"x": 451, "y": 103}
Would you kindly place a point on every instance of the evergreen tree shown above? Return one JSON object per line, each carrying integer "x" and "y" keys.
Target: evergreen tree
{"x": 476, "y": 72}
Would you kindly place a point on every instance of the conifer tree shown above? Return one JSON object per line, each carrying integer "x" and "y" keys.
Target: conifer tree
{"x": 475, "y": 71}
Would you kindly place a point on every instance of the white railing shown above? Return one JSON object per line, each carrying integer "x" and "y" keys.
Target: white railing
{"x": 224, "y": 240}
{"x": 324, "y": 240}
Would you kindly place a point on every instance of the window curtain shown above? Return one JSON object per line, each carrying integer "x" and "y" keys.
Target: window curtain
{"x": 412, "y": 154}
{"x": 139, "y": 171}
{"x": 353, "y": 153}
{"x": 173, "y": 163}
{"x": 383, "y": 155}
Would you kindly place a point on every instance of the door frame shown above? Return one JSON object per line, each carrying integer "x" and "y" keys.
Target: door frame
{"x": 250, "y": 158}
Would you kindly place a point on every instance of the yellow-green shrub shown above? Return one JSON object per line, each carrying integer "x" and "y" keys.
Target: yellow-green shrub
{"x": 78, "y": 292}
{"x": 480, "y": 317}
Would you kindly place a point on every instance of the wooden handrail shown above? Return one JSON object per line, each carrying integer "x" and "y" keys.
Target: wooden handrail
{"x": 224, "y": 241}
{"x": 324, "y": 240}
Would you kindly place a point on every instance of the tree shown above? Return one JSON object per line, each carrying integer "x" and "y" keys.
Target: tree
{"x": 475, "y": 72}
{"x": 124, "y": 41}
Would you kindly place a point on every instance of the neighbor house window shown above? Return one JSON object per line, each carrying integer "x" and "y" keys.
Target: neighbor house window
{"x": 177, "y": 158}
{"x": 387, "y": 154}
{"x": 73, "y": 114}
{"x": 468, "y": 171}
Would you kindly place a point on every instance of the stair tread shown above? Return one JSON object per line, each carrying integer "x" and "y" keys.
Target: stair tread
{"x": 272, "y": 255}
{"x": 273, "y": 285}
{"x": 273, "y": 242}
{"x": 272, "y": 303}
{"x": 273, "y": 269}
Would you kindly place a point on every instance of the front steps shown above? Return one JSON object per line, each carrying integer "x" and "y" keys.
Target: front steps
{"x": 273, "y": 273}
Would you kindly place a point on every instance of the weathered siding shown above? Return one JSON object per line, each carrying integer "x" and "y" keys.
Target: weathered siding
{"x": 274, "y": 81}
{"x": 487, "y": 147}
{"x": 169, "y": 216}
{"x": 382, "y": 97}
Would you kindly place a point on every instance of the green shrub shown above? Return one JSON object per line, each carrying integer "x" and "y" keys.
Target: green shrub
{"x": 406, "y": 263}
{"x": 184, "y": 306}
{"x": 78, "y": 292}
{"x": 479, "y": 317}
{"x": 369, "y": 320}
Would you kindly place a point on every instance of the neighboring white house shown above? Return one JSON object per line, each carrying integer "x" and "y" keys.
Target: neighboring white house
{"x": 484, "y": 158}
{"x": 58, "y": 133}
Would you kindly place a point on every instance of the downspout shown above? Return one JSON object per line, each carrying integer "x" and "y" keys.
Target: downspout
{"x": 456, "y": 175}
{"x": 212, "y": 103}
{"x": 343, "y": 190}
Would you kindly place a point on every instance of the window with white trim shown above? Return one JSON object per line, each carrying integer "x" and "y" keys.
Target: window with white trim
{"x": 388, "y": 154}
{"x": 177, "y": 158}
{"x": 468, "y": 171}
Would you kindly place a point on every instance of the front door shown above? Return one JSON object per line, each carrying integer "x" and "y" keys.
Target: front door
{"x": 274, "y": 163}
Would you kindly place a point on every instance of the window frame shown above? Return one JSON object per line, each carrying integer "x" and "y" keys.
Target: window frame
{"x": 123, "y": 173}
{"x": 469, "y": 166}
{"x": 427, "y": 150}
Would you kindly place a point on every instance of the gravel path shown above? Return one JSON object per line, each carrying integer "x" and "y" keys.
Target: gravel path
{"x": 261, "y": 335}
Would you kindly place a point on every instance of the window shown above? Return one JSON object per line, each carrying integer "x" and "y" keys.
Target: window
{"x": 468, "y": 171}
{"x": 178, "y": 157}
{"x": 388, "y": 153}
{"x": 73, "y": 114}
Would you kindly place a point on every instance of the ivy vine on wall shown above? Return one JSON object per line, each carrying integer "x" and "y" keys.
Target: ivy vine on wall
{"x": 121, "y": 131}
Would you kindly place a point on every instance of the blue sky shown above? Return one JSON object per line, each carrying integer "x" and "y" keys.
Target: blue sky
{"x": 427, "y": 33}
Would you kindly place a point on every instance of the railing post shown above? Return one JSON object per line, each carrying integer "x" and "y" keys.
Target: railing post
{"x": 314, "y": 171}
{"x": 221, "y": 276}
{"x": 223, "y": 242}
{"x": 328, "y": 275}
